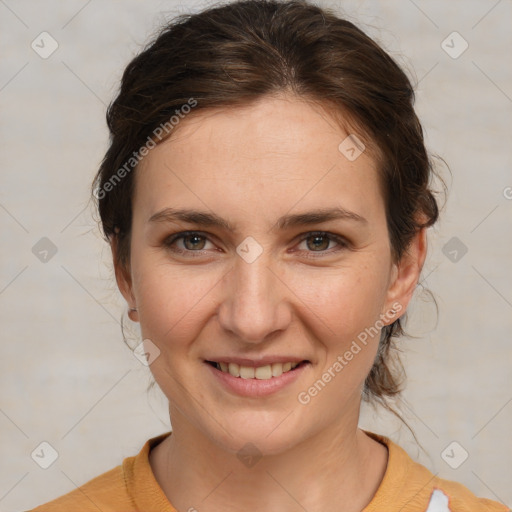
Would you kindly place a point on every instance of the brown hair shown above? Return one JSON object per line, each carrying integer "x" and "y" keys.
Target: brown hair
{"x": 234, "y": 54}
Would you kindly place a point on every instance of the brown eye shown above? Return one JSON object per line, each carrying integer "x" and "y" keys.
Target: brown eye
{"x": 192, "y": 242}
{"x": 318, "y": 242}
{"x": 187, "y": 243}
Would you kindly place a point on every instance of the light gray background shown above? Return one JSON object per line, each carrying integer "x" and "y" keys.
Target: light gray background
{"x": 65, "y": 375}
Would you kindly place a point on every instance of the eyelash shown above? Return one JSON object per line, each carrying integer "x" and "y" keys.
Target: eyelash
{"x": 194, "y": 254}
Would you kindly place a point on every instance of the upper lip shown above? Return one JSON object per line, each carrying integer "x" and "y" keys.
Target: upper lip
{"x": 263, "y": 361}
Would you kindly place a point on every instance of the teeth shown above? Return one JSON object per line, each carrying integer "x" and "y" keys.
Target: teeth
{"x": 234, "y": 369}
{"x": 246, "y": 372}
{"x": 277, "y": 369}
{"x": 261, "y": 372}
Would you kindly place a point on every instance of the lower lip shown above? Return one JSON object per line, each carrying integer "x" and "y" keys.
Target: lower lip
{"x": 257, "y": 387}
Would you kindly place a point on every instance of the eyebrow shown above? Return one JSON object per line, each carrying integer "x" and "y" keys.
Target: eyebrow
{"x": 206, "y": 219}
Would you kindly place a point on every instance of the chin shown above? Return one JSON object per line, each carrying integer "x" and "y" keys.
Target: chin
{"x": 263, "y": 433}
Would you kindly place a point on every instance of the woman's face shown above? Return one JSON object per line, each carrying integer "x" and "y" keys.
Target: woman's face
{"x": 267, "y": 289}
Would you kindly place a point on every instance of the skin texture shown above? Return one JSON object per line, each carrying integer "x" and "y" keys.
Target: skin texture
{"x": 250, "y": 166}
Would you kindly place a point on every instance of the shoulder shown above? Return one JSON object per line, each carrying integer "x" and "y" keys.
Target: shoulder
{"x": 410, "y": 487}
{"x": 129, "y": 487}
{"x": 104, "y": 492}
{"x": 450, "y": 496}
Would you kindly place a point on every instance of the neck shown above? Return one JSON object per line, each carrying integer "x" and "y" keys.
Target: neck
{"x": 339, "y": 469}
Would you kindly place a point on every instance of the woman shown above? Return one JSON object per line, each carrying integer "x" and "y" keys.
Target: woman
{"x": 266, "y": 197}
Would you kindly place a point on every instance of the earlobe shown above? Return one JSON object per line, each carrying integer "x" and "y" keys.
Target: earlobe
{"x": 405, "y": 276}
{"x": 124, "y": 281}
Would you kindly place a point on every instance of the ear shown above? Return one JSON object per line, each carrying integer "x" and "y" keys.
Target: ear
{"x": 404, "y": 277}
{"x": 124, "y": 280}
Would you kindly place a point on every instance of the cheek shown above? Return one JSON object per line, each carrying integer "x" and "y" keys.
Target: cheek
{"x": 347, "y": 324}
{"x": 173, "y": 300}
{"x": 345, "y": 300}
{"x": 336, "y": 304}
{"x": 173, "y": 307}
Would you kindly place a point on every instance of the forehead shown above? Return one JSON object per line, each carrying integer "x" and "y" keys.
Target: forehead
{"x": 270, "y": 155}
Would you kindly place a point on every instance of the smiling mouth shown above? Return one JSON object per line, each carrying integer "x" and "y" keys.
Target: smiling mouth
{"x": 266, "y": 372}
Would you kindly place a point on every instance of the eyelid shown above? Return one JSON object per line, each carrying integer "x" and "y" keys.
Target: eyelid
{"x": 342, "y": 242}
{"x": 183, "y": 234}
{"x": 343, "y": 245}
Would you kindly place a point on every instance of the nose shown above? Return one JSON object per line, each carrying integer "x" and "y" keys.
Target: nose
{"x": 255, "y": 301}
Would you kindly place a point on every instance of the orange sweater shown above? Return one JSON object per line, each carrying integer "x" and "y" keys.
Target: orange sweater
{"x": 406, "y": 487}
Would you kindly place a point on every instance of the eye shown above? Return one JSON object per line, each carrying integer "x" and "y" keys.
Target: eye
{"x": 193, "y": 242}
{"x": 319, "y": 241}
